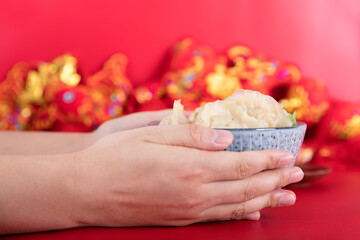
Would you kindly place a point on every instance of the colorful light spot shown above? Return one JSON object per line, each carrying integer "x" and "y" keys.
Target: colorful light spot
{"x": 68, "y": 97}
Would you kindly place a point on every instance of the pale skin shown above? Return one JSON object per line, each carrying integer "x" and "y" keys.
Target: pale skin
{"x": 125, "y": 174}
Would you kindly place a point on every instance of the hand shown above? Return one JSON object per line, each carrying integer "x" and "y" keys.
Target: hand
{"x": 173, "y": 175}
{"x": 54, "y": 142}
{"x": 131, "y": 121}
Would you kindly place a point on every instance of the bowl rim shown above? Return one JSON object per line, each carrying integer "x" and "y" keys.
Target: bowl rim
{"x": 299, "y": 125}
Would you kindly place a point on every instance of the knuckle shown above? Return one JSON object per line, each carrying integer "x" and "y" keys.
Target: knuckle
{"x": 239, "y": 211}
{"x": 150, "y": 134}
{"x": 192, "y": 175}
{"x": 272, "y": 160}
{"x": 190, "y": 203}
{"x": 184, "y": 203}
{"x": 283, "y": 178}
{"x": 271, "y": 201}
{"x": 268, "y": 158}
{"x": 191, "y": 200}
{"x": 195, "y": 132}
{"x": 251, "y": 191}
{"x": 193, "y": 172}
{"x": 243, "y": 169}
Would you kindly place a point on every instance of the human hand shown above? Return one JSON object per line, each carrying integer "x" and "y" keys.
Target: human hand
{"x": 131, "y": 121}
{"x": 174, "y": 175}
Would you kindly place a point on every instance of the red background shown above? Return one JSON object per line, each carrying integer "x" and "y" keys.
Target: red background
{"x": 322, "y": 37}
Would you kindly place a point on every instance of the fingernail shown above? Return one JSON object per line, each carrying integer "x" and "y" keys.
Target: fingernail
{"x": 286, "y": 160}
{"x": 222, "y": 137}
{"x": 286, "y": 200}
{"x": 296, "y": 176}
{"x": 252, "y": 216}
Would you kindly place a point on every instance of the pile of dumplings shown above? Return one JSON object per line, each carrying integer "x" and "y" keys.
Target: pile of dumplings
{"x": 244, "y": 109}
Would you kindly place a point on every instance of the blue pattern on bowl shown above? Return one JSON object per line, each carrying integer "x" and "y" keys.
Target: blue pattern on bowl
{"x": 282, "y": 138}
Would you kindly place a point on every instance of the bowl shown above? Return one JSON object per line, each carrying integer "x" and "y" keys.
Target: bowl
{"x": 281, "y": 138}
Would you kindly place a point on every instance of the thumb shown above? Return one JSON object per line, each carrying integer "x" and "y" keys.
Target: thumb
{"x": 190, "y": 135}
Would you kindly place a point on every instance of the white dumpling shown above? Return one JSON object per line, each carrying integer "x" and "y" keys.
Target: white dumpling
{"x": 177, "y": 117}
{"x": 244, "y": 109}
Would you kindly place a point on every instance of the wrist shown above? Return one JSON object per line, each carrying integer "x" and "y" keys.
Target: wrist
{"x": 67, "y": 185}
{"x": 83, "y": 185}
{"x": 78, "y": 187}
{"x": 50, "y": 185}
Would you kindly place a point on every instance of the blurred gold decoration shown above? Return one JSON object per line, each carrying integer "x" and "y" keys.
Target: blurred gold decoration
{"x": 5, "y": 109}
{"x": 325, "y": 152}
{"x": 62, "y": 68}
{"x": 51, "y": 97}
{"x": 349, "y": 129}
{"x": 34, "y": 89}
{"x": 306, "y": 154}
{"x": 68, "y": 75}
{"x": 44, "y": 118}
{"x": 222, "y": 83}
{"x": 254, "y": 71}
{"x": 236, "y": 51}
{"x": 294, "y": 72}
{"x": 184, "y": 79}
{"x": 143, "y": 94}
{"x": 297, "y": 100}
{"x": 26, "y": 112}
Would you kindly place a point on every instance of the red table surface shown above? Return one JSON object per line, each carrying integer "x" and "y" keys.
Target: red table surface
{"x": 327, "y": 209}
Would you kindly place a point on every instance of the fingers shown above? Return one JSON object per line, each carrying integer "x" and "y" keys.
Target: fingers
{"x": 252, "y": 216}
{"x": 189, "y": 135}
{"x": 228, "y": 192}
{"x": 218, "y": 165}
{"x": 238, "y": 211}
{"x": 153, "y": 115}
{"x": 131, "y": 121}
{"x": 142, "y": 119}
{"x": 222, "y": 166}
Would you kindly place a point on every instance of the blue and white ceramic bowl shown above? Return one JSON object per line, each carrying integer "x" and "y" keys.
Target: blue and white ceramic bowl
{"x": 282, "y": 138}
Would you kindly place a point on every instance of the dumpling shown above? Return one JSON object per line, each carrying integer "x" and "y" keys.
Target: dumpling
{"x": 177, "y": 117}
{"x": 244, "y": 109}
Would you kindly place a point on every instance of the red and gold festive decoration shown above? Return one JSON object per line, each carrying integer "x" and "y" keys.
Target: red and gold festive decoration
{"x": 338, "y": 144}
{"x": 151, "y": 97}
{"x": 11, "y": 115}
{"x": 308, "y": 98}
{"x": 52, "y": 96}
{"x": 185, "y": 78}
